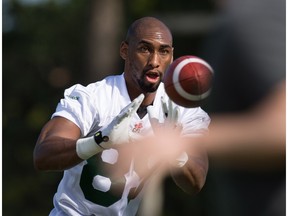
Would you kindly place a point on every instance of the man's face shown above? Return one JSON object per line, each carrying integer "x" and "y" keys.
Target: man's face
{"x": 149, "y": 54}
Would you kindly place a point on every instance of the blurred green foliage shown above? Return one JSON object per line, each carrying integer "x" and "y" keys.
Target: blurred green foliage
{"x": 43, "y": 37}
{"x": 43, "y": 53}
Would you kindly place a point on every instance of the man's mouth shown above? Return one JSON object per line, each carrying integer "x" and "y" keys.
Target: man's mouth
{"x": 152, "y": 77}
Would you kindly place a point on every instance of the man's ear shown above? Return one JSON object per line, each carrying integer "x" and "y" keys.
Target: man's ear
{"x": 172, "y": 59}
{"x": 124, "y": 50}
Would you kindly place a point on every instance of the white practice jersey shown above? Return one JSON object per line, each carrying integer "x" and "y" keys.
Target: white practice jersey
{"x": 85, "y": 188}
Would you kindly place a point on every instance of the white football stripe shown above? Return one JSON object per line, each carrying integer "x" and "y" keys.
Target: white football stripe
{"x": 179, "y": 88}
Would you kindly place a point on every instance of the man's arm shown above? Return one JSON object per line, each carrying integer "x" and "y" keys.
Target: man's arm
{"x": 255, "y": 139}
{"x": 189, "y": 173}
{"x": 56, "y": 146}
{"x": 192, "y": 176}
{"x": 59, "y": 146}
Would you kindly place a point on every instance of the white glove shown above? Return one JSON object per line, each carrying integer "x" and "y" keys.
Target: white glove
{"x": 171, "y": 116}
{"x": 170, "y": 123}
{"x": 117, "y": 132}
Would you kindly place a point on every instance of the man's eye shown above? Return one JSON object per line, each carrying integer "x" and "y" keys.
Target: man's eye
{"x": 143, "y": 49}
{"x": 164, "y": 52}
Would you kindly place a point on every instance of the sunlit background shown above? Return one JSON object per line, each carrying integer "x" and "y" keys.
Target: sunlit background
{"x": 49, "y": 45}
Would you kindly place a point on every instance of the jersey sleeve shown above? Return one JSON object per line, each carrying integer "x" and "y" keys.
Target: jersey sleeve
{"x": 76, "y": 106}
{"x": 195, "y": 122}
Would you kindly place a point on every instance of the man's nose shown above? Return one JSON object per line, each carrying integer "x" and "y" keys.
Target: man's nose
{"x": 154, "y": 60}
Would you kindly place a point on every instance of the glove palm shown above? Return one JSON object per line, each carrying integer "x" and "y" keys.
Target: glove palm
{"x": 118, "y": 130}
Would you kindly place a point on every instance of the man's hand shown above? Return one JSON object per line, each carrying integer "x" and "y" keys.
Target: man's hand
{"x": 169, "y": 126}
{"x": 117, "y": 132}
